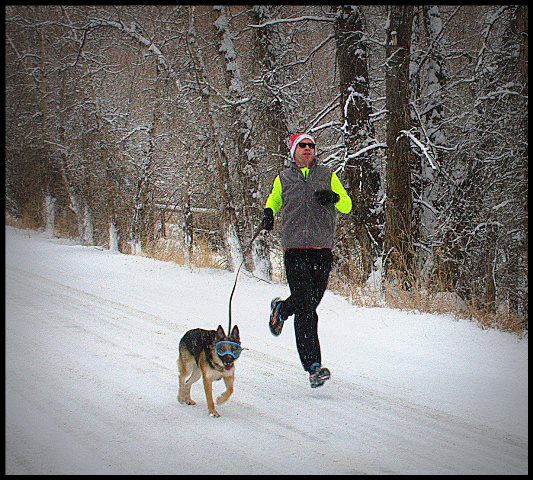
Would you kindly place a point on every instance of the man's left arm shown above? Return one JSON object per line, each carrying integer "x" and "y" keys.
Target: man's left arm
{"x": 344, "y": 205}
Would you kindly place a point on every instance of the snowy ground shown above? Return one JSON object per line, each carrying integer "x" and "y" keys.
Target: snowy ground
{"x": 91, "y": 378}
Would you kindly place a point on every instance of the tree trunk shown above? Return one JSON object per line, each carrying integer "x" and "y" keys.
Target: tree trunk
{"x": 398, "y": 207}
{"x": 432, "y": 200}
{"x": 247, "y": 164}
{"x": 228, "y": 216}
{"x": 275, "y": 117}
{"x": 188, "y": 223}
{"x": 522, "y": 28}
{"x": 43, "y": 104}
{"x": 49, "y": 209}
{"x": 490, "y": 261}
{"x": 88, "y": 226}
{"x": 363, "y": 182}
{"x": 113, "y": 236}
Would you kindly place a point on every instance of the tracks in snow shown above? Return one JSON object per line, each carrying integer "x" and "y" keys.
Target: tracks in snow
{"x": 67, "y": 343}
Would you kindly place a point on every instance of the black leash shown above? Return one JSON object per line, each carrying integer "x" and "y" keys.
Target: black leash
{"x": 259, "y": 229}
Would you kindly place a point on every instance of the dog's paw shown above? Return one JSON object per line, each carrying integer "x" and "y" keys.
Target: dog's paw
{"x": 214, "y": 413}
{"x": 221, "y": 399}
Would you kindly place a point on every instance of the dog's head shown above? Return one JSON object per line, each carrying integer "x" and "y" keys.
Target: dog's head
{"x": 227, "y": 348}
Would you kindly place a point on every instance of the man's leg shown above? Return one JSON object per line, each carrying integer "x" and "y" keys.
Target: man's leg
{"x": 322, "y": 261}
{"x": 300, "y": 278}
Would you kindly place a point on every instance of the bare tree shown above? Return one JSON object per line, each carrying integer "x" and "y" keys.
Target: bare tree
{"x": 275, "y": 107}
{"x": 398, "y": 206}
{"x": 428, "y": 135}
{"x": 227, "y": 208}
{"x": 247, "y": 161}
{"x": 363, "y": 182}
{"x": 118, "y": 115}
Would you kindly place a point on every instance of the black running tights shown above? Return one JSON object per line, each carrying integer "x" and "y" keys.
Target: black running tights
{"x": 307, "y": 275}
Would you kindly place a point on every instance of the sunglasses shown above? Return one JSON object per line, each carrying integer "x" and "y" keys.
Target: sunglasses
{"x": 226, "y": 347}
{"x": 305, "y": 144}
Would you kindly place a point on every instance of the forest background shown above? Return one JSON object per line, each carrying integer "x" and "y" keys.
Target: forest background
{"x": 158, "y": 130}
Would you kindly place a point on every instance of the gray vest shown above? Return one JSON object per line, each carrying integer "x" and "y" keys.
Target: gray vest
{"x": 305, "y": 223}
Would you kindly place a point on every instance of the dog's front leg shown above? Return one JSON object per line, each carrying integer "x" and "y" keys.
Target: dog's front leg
{"x": 208, "y": 388}
{"x": 229, "y": 390}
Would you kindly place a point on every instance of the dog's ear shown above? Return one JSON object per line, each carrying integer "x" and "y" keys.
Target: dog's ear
{"x": 235, "y": 333}
{"x": 220, "y": 333}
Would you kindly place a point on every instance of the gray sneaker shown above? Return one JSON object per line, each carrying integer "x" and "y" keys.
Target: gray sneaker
{"x": 276, "y": 322}
{"x": 318, "y": 375}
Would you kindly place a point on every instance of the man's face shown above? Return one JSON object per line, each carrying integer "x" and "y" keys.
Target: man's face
{"x": 304, "y": 154}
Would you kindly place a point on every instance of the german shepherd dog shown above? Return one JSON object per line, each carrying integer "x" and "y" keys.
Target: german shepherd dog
{"x": 209, "y": 354}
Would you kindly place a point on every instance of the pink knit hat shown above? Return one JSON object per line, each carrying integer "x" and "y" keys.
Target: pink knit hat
{"x": 296, "y": 139}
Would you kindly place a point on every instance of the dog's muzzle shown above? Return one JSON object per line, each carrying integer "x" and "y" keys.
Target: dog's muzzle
{"x": 228, "y": 361}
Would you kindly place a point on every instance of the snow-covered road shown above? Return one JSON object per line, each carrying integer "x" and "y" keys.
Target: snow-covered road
{"x": 91, "y": 379}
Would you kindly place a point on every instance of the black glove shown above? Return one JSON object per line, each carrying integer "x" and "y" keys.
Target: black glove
{"x": 326, "y": 197}
{"x": 268, "y": 219}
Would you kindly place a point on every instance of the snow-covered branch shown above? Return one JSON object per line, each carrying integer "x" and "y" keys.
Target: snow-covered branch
{"x": 425, "y": 150}
{"x": 294, "y": 20}
{"x": 366, "y": 150}
{"x": 132, "y": 32}
{"x": 311, "y": 54}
